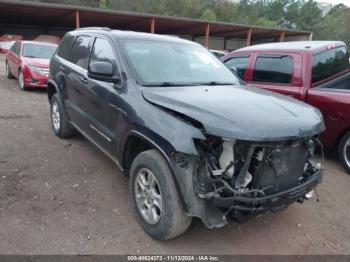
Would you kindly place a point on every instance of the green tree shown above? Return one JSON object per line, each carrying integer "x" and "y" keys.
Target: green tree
{"x": 208, "y": 15}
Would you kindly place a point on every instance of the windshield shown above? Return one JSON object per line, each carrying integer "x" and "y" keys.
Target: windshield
{"x": 38, "y": 51}
{"x": 167, "y": 64}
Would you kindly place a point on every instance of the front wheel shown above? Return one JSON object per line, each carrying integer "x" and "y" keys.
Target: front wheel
{"x": 344, "y": 151}
{"x": 155, "y": 198}
{"x": 21, "y": 83}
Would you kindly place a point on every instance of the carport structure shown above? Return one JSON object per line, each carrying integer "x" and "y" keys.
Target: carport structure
{"x": 31, "y": 18}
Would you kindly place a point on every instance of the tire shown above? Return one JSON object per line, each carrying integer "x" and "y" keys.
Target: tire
{"x": 344, "y": 151}
{"x": 8, "y": 71}
{"x": 21, "y": 83}
{"x": 170, "y": 219}
{"x": 60, "y": 124}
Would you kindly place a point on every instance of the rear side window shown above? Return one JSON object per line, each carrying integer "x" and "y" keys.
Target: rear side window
{"x": 65, "y": 46}
{"x": 273, "y": 69}
{"x": 328, "y": 63}
{"x": 238, "y": 64}
{"x": 16, "y": 48}
{"x": 81, "y": 51}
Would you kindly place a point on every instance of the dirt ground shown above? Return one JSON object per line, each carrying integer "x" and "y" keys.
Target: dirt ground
{"x": 65, "y": 197}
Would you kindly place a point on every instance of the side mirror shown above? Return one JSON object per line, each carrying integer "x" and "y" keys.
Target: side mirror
{"x": 103, "y": 71}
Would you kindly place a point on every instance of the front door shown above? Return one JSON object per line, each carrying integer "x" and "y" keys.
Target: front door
{"x": 99, "y": 95}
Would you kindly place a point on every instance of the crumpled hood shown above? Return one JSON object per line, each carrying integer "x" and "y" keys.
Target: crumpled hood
{"x": 240, "y": 112}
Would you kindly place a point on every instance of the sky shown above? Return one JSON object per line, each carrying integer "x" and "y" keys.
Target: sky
{"x": 334, "y": 2}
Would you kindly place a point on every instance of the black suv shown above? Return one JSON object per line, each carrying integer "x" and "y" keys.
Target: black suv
{"x": 195, "y": 141}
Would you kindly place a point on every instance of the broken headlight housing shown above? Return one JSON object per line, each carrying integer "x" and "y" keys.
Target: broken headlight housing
{"x": 228, "y": 168}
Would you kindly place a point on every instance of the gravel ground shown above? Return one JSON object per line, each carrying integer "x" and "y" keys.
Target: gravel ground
{"x": 66, "y": 197}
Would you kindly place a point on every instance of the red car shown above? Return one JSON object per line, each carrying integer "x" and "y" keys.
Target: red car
{"x": 29, "y": 62}
{"x": 315, "y": 72}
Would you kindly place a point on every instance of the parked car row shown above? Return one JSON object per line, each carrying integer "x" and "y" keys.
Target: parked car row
{"x": 7, "y": 40}
{"x": 314, "y": 72}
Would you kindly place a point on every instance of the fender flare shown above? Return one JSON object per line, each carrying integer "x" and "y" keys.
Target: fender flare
{"x": 50, "y": 83}
{"x": 156, "y": 146}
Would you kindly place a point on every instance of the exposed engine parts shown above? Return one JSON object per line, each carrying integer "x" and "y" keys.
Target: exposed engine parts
{"x": 250, "y": 171}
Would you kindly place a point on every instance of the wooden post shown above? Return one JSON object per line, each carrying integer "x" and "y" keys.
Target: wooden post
{"x": 282, "y": 35}
{"x": 206, "y": 38}
{"x": 249, "y": 37}
{"x": 310, "y": 36}
{"x": 153, "y": 25}
{"x": 77, "y": 19}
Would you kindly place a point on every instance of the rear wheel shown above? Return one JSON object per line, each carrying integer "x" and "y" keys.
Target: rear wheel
{"x": 8, "y": 71}
{"x": 155, "y": 198}
{"x": 21, "y": 83}
{"x": 60, "y": 124}
{"x": 344, "y": 151}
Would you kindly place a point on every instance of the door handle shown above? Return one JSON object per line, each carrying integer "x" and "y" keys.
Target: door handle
{"x": 63, "y": 68}
{"x": 83, "y": 80}
{"x": 336, "y": 116}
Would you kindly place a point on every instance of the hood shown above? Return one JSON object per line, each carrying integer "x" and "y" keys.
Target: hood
{"x": 39, "y": 62}
{"x": 240, "y": 112}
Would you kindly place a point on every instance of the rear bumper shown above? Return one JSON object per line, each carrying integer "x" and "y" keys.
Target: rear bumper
{"x": 272, "y": 202}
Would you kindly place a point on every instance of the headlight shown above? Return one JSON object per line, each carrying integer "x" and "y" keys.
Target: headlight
{"x": 35, "y": 69}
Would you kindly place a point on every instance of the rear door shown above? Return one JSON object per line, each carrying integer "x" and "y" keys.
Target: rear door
{"x": 277, "y": 72}
{"x": 13, "y": 58}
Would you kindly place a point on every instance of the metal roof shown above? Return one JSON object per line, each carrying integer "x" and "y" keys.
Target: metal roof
{"x": 16, "y": 12}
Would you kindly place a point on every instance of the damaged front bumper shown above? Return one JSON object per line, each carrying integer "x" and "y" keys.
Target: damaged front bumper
{"x": 274, "y": 202}
{"x": 239, "y": 180}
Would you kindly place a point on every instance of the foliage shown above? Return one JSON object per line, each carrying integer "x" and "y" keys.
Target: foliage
{"x": 326, "y": 21}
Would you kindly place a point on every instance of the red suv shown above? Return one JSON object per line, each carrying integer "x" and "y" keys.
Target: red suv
{"x": 316, "y": 72}
{"x": 29, "y": 62}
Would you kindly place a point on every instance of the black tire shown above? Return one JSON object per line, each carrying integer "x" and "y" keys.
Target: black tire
{"x": 344, "y": 151}
{"x": 8, "y": 71}
{"x": 173, "y": 220}
{"x": 20, "y": 80}
{"x": 61, "y": 126}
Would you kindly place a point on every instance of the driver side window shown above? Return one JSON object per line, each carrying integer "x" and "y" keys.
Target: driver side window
{"x": 103, "y": 52}
{"x": 238, "y": 64}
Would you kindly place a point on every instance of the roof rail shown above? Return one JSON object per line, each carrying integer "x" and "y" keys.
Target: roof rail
{"x": 94, "y": 28}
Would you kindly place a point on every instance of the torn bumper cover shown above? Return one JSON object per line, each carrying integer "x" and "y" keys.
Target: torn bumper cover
{"x": 238, "y": 179}
{"x": 274, "y": 202}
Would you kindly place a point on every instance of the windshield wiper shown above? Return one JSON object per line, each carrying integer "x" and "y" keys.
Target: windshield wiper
{"x": 166, "y": 84}
{"x": 214, "y": 83}
{"x": 169, "y": 84}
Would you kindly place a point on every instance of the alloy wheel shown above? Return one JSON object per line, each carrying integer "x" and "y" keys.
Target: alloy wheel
{"x": 148, "y": 196}
{"x": 55, "y": 116}
{"x": 346, "y": 152}
{"x": 21, "y": 80}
